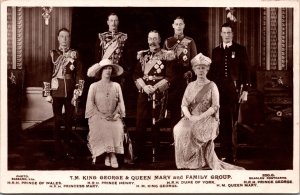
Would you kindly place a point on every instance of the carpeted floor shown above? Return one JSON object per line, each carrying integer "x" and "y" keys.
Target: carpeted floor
{"x": 270, "y": 148}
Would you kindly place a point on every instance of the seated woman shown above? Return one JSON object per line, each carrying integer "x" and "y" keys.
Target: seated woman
{"x": 194, "y": 134}
{"x": 104, "y": 109}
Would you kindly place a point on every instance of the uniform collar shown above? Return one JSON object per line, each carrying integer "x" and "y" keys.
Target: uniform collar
{"x": 178, "y": 36}
{"x": 63, "y": 49}
{"x": 115, "y": 32}
{"x": 155, "y": 50}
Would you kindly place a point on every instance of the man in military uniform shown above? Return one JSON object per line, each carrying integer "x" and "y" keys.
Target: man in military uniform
{"x": 185, "y": 49}
{"x": 64, "y": 84}
{"x": 111, "y": 44}
{"x": 151, "y": 76}
{"x": 229, "y": 70}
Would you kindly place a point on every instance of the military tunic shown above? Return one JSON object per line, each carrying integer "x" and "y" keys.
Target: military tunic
{"x": 111, "y": 46}
{"x": 153, "y": 68}
{"x": 185, "y": 49}
{"x": 65, "y": 72}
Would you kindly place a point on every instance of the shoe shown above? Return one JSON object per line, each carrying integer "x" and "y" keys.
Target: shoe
{"x": 113, "y": 161}
{"x": 107, "y": 161}
{"x": 94, "y": 161}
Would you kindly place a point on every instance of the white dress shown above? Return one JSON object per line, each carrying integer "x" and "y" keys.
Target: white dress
{"x": 104, "y": 101}
{"x": 194, "y": 141}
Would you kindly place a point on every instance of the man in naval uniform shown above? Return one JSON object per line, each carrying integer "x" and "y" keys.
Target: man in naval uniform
{"x": 185, "y": 49}
{"x": 63, "y": 86}
{"x": 230, "y": 71}
{"x": 111, "y": 44}
{"x": 152, "y": 75}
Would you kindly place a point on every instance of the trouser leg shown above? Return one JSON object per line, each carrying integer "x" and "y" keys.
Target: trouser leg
{"x": 142, "y": 121}
{"x": 69, "y": 113}
{"x": 57, "y": 133}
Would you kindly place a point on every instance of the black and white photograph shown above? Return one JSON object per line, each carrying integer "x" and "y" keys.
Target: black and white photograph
{"x": 154, "y": 96}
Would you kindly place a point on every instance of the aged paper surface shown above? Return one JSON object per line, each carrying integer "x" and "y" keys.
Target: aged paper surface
{"x": 153, "y": 181}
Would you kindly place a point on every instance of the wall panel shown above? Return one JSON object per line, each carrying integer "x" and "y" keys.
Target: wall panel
{"x": 39, "y": 39}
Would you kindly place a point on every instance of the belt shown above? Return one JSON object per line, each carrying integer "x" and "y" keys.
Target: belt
{"x": 154, "y": 77}
{"x": 67, "y": 76}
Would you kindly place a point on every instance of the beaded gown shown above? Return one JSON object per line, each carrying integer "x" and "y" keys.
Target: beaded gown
{"x": 103, "y": 102}
{"x": 194, "y": 140}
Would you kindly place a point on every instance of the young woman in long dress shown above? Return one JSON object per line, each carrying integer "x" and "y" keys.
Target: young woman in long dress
{"x": 104, "y": 110}
{"x": 194, "y": 134}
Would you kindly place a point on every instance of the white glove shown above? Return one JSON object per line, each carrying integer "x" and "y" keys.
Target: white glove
{"x": 49, "y": 99}
{"x": 244, "y": 97}
{"x": 149, "y": 89}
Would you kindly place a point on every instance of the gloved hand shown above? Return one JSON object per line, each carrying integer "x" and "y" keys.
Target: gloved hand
{"x": 244, "y": 97}
{"x": 49, "y": 99}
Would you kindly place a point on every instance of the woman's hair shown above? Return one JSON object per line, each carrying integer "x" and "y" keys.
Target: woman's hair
{"x": 98, "y": 75}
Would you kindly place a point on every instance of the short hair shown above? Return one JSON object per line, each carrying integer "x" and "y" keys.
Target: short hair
{"x": 98, "y": 74}
{"x": 227, "y": 24}
{"x": 112, "y": 14}
{"x": 155, "y": 31}
{"x": 179, "y": 17}
{"x": 63, "y": 29}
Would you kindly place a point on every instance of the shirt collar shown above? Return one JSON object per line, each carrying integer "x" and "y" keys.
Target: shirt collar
{"x": 227, "y": 44}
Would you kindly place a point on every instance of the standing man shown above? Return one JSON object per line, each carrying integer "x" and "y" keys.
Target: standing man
{"x": 185, "y": 49}
{"x": 152, "y": 75}
{"x": 230, "y": 71}
{"x": 111, "y": 44}
{"x": 64, "y": 84}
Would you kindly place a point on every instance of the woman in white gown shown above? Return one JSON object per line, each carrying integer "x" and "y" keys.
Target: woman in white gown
{"x": 104, "y": 110}
{"x": 194, "y": 134}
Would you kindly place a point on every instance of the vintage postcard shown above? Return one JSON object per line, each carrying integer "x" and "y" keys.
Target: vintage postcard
{"x": 149, "y": 96}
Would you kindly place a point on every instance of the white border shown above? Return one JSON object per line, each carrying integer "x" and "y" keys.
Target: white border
{"x": 64, "y": 176}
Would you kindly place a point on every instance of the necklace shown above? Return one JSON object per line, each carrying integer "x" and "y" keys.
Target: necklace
{"x": 202, "y": 82}
{"x": 106, "y": 88}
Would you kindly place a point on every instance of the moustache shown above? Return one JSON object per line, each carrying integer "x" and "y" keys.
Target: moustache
{"x": 152, "y": 44}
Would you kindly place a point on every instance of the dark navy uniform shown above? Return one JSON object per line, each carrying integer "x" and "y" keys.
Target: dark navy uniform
{"x": 64, "y": 76}
{"x": 153, "y": 68}
{"x": 229, "y": 70}
{"x": 185, "y": 49}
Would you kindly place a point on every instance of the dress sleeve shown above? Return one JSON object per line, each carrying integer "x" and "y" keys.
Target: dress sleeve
{"x": 185, "y": 101}
{"x": 121, "y": 104}
{"x": 91, "y": 108}
{"x": 215, "y": 98}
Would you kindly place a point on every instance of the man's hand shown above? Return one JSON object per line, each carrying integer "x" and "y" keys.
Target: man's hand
{"x": 49, "y": 99}
{"x": 244, "y": 97}
{"x": 149, "y": 89}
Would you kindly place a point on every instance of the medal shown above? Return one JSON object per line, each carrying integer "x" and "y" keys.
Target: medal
{"x": 185, "y": 51}
{"x": 184, "y": 58}
{"x": 233, "y": 54}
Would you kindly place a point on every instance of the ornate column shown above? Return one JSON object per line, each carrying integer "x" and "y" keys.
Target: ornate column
{"x": 19, "y": 39}
{"x": 274, "y": 40}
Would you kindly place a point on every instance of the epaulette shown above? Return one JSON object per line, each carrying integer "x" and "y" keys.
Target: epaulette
{"x": 124, "y": 36}
{"x": 188, "y": 37}
{"x": 101, "y": 35}
{"x": 168, "y": 54}
{"x": 52, "y": 54}
{"x": 139, "y": 53}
